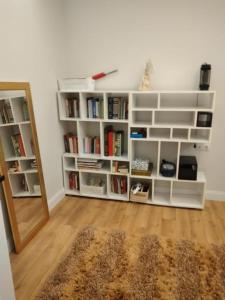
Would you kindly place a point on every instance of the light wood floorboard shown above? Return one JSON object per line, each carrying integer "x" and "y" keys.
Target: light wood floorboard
{"x": 32, "y": 267}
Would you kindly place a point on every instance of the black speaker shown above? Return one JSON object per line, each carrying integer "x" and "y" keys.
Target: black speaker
{"x": 188, "y": 168}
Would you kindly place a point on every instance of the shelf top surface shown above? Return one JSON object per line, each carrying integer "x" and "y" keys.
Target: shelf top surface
{"x": 140, "y": 92}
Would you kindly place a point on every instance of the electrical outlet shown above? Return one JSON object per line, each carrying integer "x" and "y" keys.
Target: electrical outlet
{"x": 202, "y": 147}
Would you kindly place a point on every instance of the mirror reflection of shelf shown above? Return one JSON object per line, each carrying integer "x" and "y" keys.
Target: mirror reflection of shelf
{"x": 24, "y": 184}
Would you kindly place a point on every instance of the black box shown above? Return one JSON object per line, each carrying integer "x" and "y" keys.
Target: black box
{"x": 188, "y": 168}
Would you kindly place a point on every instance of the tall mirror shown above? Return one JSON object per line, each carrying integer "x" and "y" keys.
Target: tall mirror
{"x": 21, "y": 164}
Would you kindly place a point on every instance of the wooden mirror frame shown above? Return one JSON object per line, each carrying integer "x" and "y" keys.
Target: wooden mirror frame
{"x": 19, "y": 243}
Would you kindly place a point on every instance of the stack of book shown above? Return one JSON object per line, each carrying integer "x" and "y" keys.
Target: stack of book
{"x": 120, "y": 167}
{"x": 6, "y": 115}
{"x": 85, "y": 163}
{"x": 91, "y": 145}
{"x": 70, "y": 142}
{"x": 73, "y": 181}
{"x": 94, "y": 108}
{"x": 72, "y": 108}
{"x": 17, "y": 143}
{"x": 114, "y": 141}
{"x": 119, "y": 184}
{"x": 118, "y": 108}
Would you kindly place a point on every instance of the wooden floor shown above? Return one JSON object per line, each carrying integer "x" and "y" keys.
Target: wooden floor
{"x": 38, "y": 259}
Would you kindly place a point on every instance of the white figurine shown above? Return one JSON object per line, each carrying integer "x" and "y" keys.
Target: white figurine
{"x": 145, "y": 81}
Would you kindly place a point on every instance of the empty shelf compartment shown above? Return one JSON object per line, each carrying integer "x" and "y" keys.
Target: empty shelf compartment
{"x": 179, "y": 133}
{"x": 159, "y": 133}
{"x": 175, "y": 118}
{"x": 188, "y": 194}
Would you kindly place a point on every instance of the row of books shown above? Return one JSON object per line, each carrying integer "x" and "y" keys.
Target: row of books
{"x": 118, "y": 108}
{"x": 72, "y": 108}
{"x": 18, "y": 146}
{"x": 73, "y": 181}
{"x": 94, "y": 108}
{"x": 114, "y": 141}
{"x": 92, "y": 145}
{"x": 6, "y": 112}
{"x": 70, "y": 143}
{"x": 119, "y": 184}
{"x": 85, "y": 163}
{"x": 120, "y": 167}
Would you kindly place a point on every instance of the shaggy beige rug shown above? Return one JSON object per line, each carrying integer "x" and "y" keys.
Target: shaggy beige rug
{"x": 116, "y": 265}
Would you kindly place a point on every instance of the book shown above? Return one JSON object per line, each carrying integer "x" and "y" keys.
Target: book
{"x": 119, "y": 184}
{"x": 72, "y": 108}
{"x": 25, "y": 111}
{"x": 70, "y": 143}
{"x": 113, "y": 142}
{"x": 117, "y": 108}
{"x": 73, "y": 180}
{"x": 91, "y": 145}
{"x": 6, "y": 112}
{"x": 94, "y": 107}
{"x": 17, "y": 144}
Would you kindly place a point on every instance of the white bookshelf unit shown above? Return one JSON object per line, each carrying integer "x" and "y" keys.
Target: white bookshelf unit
{"x": 169, "y": 119}
{"x": 15, "y": 123}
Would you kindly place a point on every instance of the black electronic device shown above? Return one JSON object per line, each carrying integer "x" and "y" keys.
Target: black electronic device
{"x": 205, "y": 74}
{"x": 188, "y": 168}
{"x": 167, "y": 168}
{"x": 204, "y": 119}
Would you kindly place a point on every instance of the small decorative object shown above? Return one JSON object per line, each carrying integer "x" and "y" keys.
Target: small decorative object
{"x": 145, "y": 84}
{"x": 138, "y": 133}
{"x": 141, "y": 167}
{"x": 83, "y": 83}
{"x": 205, "y": 74}
{"x": 167, "y": 169}
{"x": 204, "y": 119}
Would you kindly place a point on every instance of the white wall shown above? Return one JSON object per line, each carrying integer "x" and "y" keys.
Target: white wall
{"x": 6, "y": 282}
{"x": 31, "y": 50}
{"x": 177, "y": 35}
{"x": 45, "y": 39}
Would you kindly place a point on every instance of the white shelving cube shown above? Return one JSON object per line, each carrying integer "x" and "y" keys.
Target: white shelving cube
{"x": 170, "y": 121}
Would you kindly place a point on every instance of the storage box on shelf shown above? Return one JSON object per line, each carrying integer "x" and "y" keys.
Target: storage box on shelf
{"x": 149, "y": 126}
{"x": 144, "y": 194}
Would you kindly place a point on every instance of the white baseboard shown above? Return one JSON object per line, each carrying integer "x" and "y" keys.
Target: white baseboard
{"x": 215, "y": 195}
{"x": 58, "y": 197}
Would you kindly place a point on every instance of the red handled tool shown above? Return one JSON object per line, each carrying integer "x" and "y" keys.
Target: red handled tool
{"x": 102, "y": 74}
